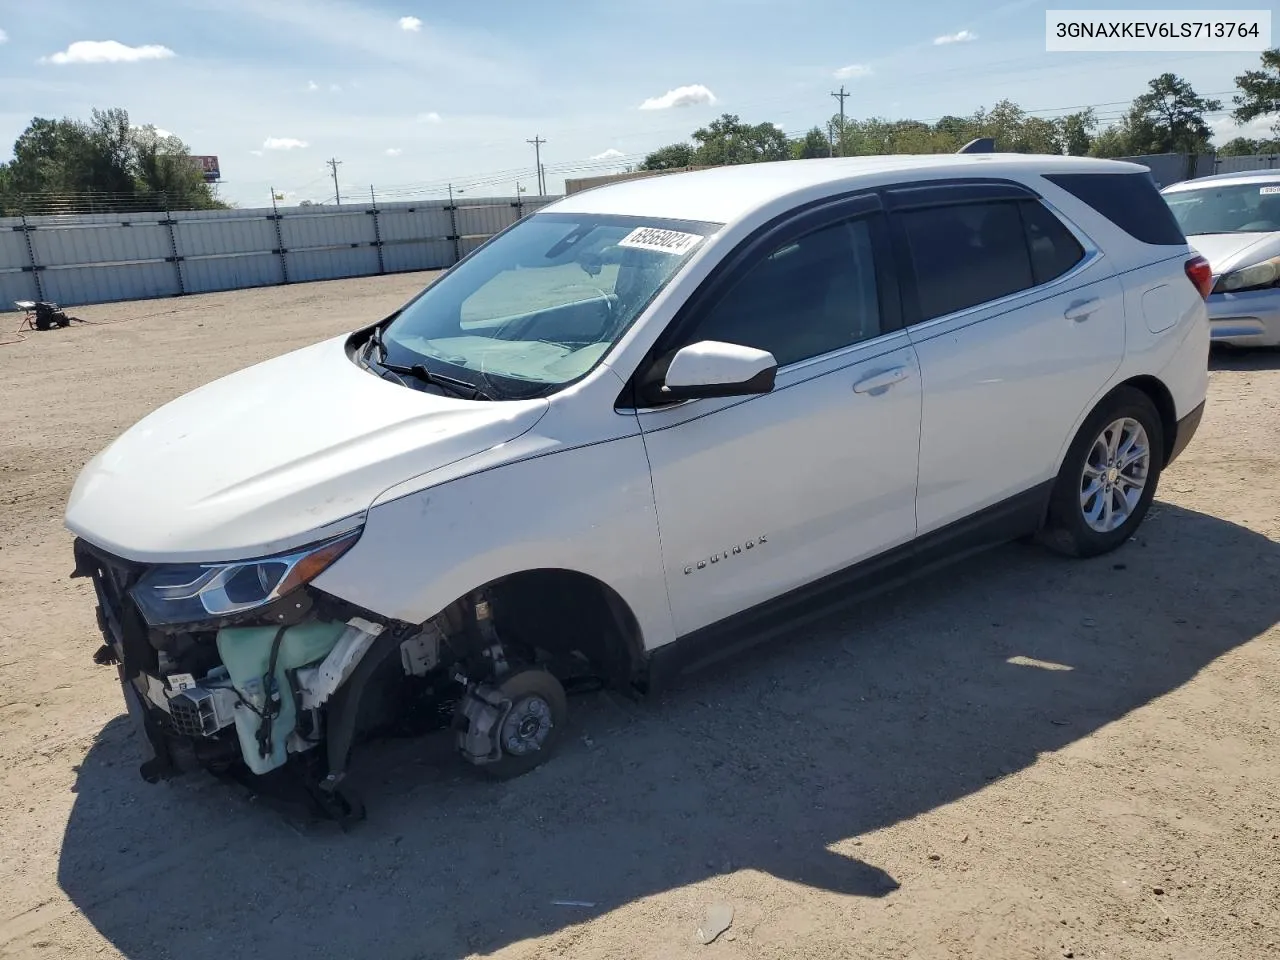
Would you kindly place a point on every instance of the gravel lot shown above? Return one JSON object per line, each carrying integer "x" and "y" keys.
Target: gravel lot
{"x": 1020, "y": 757}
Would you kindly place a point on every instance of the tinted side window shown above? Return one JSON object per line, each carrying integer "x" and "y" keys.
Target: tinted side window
{"x": 1129, "y": 200}
{"x": 966, "y": 254}
{"x": 1054, "y": 250}
{"x": 805, "y": 298}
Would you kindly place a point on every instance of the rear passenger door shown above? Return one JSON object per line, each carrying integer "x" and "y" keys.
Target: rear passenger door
{"x": 1017, "y": 324}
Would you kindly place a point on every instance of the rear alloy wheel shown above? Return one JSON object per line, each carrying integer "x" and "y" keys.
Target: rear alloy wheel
{"x": 1108, "y": 477}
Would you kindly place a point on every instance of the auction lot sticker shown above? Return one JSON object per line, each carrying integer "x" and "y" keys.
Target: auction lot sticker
{"x": 662, "y": 241}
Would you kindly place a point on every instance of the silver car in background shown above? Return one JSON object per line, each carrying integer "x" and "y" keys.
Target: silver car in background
{"x": 1233, "y": 221}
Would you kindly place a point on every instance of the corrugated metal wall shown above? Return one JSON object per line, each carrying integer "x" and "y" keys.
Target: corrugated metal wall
{"x": 1257, "y": 161}
{"x": 93, "y": 258}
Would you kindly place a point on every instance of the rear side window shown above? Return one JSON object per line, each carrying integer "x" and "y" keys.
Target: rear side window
{"x": 966, "y": 254}
{"x": 1054, "y": 250}
{"x": 1129, "y": 200}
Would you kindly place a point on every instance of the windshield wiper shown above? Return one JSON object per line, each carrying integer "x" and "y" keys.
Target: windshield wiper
{"x": 419, "y": 371}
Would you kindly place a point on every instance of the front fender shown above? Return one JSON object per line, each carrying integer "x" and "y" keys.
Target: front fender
{"x": 588, "y": 509}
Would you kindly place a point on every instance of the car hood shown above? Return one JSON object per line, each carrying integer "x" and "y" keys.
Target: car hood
{"x": 275, "y": 456}
{"x": 1229, "y": 251}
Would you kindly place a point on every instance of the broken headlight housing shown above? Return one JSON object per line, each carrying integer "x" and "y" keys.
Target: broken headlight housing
{"x": 192, "y": 592}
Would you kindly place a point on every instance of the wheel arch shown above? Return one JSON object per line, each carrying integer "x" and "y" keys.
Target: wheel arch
{"x": 565, "y": 611}
{"x": 1162, "y": 398}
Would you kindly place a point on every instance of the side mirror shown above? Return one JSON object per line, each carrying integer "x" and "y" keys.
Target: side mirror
{"x": 710, "y": 368}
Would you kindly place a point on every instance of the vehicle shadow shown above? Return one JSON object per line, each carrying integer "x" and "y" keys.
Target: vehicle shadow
{"x": 912, "y": 701}
{"x": 1223, "y": 357}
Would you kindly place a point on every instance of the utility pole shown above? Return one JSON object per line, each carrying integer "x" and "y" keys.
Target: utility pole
{"x": 333, "y": 165}
{"x": 841, "y": 97}
{"x": 537, "y": 161}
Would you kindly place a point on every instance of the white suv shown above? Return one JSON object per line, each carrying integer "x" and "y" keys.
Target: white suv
{"x": 630, "y": 434}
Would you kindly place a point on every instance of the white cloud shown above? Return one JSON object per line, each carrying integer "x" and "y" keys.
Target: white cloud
{"x": 964, "y": 36}
{"x": 109, "y": 51}
{"x": 393, "y": 151}
{"x": 429, "y": 117}
{"x": 335, "y": 88}
{"x": 410, "y": 24}
{"x": 283, "y": 143}
{"x": 687, "y": 96}
{"x": 610, "y": 154}
{"x": 160, "y": 131}
{"x": 312, "y": 86}
{"x": 4, "y": 37}
{"x": 256, "y": 153}
{"x": 853, "y": 70}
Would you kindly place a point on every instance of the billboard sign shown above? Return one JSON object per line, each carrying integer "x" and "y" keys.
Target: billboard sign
{"x": 209, "y": 167}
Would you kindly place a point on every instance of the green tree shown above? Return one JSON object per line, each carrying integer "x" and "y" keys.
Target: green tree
{"x": 1075, "y": 132}
{"x": 669, "y": 158}
{"x": 727, "y": 140}
{"x": 106, "y": 160}
{"x": 1259, "y": 91}
{"x": 812, "y": 144}
{"x": 1169, "y": 118}
{"x": 163, "y": 164}
{"x": 1239, "y": 147}
{"x": 1113, "y": 141}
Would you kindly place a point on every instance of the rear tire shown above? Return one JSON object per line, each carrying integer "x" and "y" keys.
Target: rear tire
{"x": 1108, "y": 477}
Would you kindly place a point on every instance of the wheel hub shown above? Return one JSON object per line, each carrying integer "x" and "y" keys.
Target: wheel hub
{"x": 527, "y": 726}
{"x": 1115, "y": 475}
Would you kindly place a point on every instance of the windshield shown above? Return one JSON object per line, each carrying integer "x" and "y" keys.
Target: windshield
{"x": 1227, "y": 208}
{"x": 537, "y": 307}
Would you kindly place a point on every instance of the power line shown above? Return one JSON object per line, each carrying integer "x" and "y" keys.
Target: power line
{"x": 334, "y": 163}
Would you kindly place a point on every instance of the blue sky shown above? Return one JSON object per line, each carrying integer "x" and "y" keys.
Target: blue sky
{"x": 410, "y": 94}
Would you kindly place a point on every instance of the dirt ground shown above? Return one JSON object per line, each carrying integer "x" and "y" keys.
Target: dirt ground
{"x": 1021, "y": 757}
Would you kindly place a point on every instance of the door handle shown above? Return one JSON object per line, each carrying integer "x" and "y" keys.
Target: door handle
{"x": 1083, "y": 309}
{"x": 880, "y": 381}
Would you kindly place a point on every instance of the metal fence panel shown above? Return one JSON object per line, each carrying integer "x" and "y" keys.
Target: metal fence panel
{"x": 13, "y": 249}
{"x": 103, "y": 283}
{"x": 332, "y": 264}
{"x": 417, "y": 255}
{"x": 1258, "y": 161}
{"x": 16, "y": 285}
{"x": 205, "y": 237}
{"x": 123, "y": 256}
{"x": 231, "y": 272}
{"x": 67, "y": 244}
{"x": 486, "y": 220}
{"x": 421, "y": 223}
{"x": 310, "y": 230}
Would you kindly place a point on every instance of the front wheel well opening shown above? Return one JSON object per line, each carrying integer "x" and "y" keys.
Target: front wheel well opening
{"x": 1163, "y": 400}
{"x": 575, "y": 623}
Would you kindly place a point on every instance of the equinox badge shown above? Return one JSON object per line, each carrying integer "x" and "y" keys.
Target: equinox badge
{"x": 726, "y": 554}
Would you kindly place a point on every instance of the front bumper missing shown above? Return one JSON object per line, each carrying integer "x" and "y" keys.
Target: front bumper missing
{"x": 310, "y": 773}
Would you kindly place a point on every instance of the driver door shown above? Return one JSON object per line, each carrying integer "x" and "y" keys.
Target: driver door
{"x": 758, "y": 496}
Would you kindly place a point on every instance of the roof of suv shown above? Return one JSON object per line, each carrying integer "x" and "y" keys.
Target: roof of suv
{"x": 1218, "y": 179}
{"x": 726, "y": 194}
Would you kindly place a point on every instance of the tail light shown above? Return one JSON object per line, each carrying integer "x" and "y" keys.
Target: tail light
{"x": 1200, "y": 274}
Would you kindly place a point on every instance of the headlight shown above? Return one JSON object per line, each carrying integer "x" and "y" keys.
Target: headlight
{"x": 187, "y": 593}
{"x": 1253, "y": 277}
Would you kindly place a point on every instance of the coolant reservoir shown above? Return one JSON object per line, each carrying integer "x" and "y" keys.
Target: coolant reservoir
{"x": 246, "y": 653}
